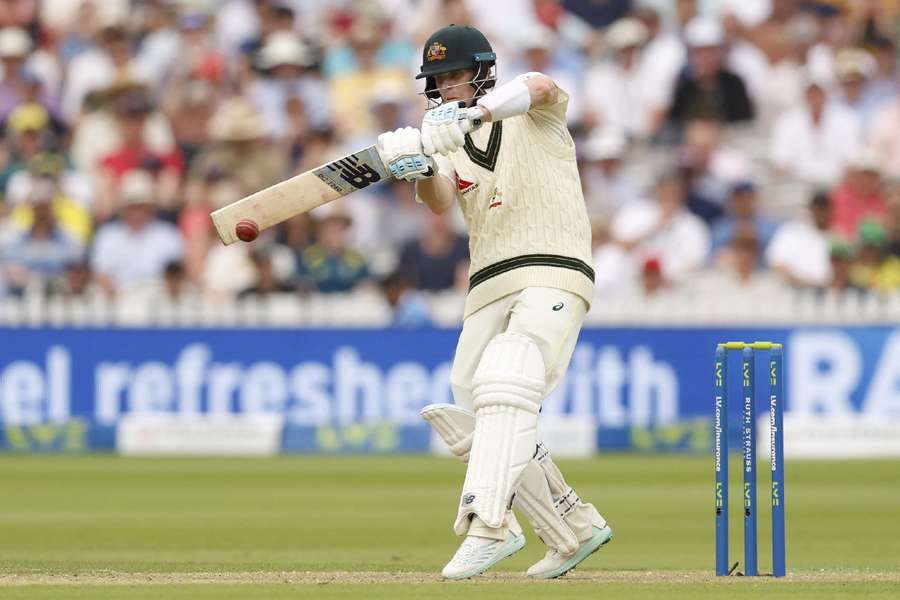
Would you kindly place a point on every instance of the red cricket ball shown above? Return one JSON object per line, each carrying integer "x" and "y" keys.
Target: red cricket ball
{"x": 246, "y": 230}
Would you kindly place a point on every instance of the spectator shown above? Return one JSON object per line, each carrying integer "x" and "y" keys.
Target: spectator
{"x": 239, "y": 147}
{"x": 409, "y": 305}
{"x": 615, "y": 271}
{"x": 800, "y": 251}
{"x": 288, "y": 65}
{"x": 297, "y": 232}
{"x": 742, "y": 211}
{"x": 132, "y": 110}
{"x": 706, "y": 89}
{"x": 853, "y": 68}
{"x": 70, "y": 216}
{"x": 606, "y": 188}
{"x": 368, "y": 24}
{"x": 199, "y": 57}
{"x": 599, "y": 14}
{"x": 438, "y": 259}
{"x": 663, "y": 229}
{"x": 740, "y": 264}
{"x": 709, "y": 168}
{"x": 352, "y": 92}
{"x": 189, "y": 107}
{"x": 814, "y": 142}
{"x": 76, "y": 28}
{"x": 98, "y": 132}
{"x": 544, "y": 52}
{"x": 76, "y": 281}
{"x": 41, "y": 254}
{"x": 136, "y": 249}
{"x": 875, "y": 269}
{"x": 652, "y": 279}
{"x": 19, "y": 82}
{"x": 893, "y": 220}
{"x": 884, "y": 137}
{"x": 29, "y": 134}
{"x": 858, "y": 197}
{"x": 201, "y": 197}
{"x": 74, "y": 187}
{"x": 884, "y": 85}
{"x": 108, "y": 62}
{"x": 391, "y": 107}
{"x": 434, "y": 15}
{"x": 403, "y": 218}
{"x": 267, "y": 281}
{"x": 619, "y": 91}
{"x": 841, "y": 266}
{"x": 176, "y": 286}
{"x": 329, "y": 265}
{"x": 769, "y": 58}
{"x": 160, "y": 48}
{"x": 662, "y": 57}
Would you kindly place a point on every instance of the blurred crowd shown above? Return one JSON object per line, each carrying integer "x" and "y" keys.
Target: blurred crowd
{"x": 698, "y": 124}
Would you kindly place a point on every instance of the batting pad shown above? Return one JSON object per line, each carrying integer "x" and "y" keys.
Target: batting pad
{"x": 455, "y": 425}
{"x": 540, "y": 506}
{"x": 543, "y": 495}
{"x": 508, "y": 387}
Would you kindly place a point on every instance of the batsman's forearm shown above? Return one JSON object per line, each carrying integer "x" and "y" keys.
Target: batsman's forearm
{"x": 437, "y": 192}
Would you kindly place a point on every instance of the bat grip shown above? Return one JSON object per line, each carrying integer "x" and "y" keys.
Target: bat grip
{"x": 476, "y": 116}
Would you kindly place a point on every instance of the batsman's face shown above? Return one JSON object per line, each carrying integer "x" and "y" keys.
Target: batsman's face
{"x": 456, "y": 85}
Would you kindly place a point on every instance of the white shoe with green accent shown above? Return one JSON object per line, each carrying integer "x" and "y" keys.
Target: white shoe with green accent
{"x": 478, "y": 554}
{"x": 555, "y": 565}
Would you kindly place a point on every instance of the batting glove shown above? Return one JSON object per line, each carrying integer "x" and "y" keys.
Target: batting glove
{"x": 444, "y": 128}
{"x": 401, "y": 152}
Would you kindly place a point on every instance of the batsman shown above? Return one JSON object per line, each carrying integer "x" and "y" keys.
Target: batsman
{"x": 505, "y": 154}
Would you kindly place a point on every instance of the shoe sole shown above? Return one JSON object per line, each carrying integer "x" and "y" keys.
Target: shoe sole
{"x": 596, "y": 542}
{"x": 508, "y": 550}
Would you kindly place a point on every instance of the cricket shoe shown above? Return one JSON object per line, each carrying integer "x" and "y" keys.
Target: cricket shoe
{"x": 478, "y": 554}
{"x": 555, "y": 565}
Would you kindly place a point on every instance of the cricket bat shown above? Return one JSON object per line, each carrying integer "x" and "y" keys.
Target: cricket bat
{"x": 301, "y": 193}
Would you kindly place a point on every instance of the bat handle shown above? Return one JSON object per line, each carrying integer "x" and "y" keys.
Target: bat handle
{"x": 476, "y": 116}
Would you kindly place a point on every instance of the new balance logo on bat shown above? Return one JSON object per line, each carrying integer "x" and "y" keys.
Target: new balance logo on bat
{"x": 356, "y": 173}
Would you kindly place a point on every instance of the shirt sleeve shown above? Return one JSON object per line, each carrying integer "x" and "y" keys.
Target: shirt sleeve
{"x": 555, "y": 111}
{"x": 551, "y": 118}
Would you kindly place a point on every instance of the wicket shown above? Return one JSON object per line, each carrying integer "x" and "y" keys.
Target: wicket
{"x": 748, "y": 452}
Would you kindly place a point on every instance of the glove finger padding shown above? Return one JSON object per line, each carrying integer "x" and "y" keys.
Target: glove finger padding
{"x": 428, "y": 140}
{"x": 447, "y": 139}
{"x": 412, "y": 139}
{"x": 457, "y": 134}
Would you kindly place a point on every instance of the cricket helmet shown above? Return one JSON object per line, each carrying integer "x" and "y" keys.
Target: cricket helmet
{"x": 453, "y": 48}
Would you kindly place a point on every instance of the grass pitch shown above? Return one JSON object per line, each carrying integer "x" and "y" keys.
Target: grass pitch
{"x": 110, "y": 527}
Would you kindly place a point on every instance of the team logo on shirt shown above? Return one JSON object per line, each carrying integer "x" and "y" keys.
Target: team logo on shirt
{"x": 436, "y": 51}
{"x": 496, "y": 199}
{"x": 465, "y": 186}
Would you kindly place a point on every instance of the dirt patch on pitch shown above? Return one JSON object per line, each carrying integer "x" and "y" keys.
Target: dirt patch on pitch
{"x": 386, "y": 577}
